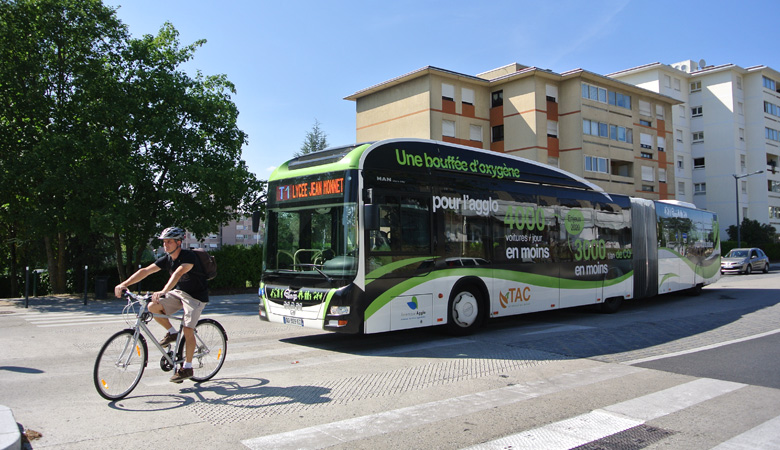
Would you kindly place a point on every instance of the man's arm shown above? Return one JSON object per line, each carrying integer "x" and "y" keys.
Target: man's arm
{"x": 139, "y": 275}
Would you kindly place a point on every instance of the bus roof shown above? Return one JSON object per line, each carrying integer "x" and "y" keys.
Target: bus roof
{"x": 354, "y": 156}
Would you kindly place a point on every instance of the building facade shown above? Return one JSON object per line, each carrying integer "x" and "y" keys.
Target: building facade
{"x": 236, "y": 232}
{"x": 615, "y": 134}
{"x": 727, "y": 124}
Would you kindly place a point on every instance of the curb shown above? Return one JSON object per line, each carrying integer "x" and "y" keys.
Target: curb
{"x": 10, "y": 436}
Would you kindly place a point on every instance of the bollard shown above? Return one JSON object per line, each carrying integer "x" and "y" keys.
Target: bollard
{"x": 86, "y": 273}
{"x": 26, "y": 286}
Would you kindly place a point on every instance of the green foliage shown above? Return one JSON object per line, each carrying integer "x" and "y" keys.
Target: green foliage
{"x": 237, "y": 267}
{"x": 104, "y": 140}
{"x": 315, "y": 140}
{"x": 753, "y": 233}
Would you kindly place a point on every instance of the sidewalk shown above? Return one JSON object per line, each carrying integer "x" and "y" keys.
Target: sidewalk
{"x": 10, "y": 436}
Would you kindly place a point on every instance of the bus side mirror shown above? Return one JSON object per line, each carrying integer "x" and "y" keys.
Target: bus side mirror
{"x": 371, "y": 217}
{"x": 256, "y": 216}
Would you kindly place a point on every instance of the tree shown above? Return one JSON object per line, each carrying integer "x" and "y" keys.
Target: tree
{"x": 103, "y": 135}
{"x": 58, "y": 59}
{"x": 316, "y": 140}
{"x": 753, "y": 233}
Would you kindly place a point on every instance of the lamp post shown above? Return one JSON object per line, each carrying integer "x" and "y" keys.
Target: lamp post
{"x": 736, "y": 186}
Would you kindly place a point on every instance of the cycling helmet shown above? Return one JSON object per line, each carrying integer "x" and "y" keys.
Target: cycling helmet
{"x": 173, "y": 233}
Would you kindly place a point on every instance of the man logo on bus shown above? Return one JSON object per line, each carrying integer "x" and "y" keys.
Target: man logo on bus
{"x": 575, "y": 222}
{"x": 514, "y": 295}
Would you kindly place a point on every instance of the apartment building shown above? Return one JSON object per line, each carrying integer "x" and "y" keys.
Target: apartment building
{"x": 727, "y": 124}
{"x": 236, "y": 232}
{"x": 615, "y": 134}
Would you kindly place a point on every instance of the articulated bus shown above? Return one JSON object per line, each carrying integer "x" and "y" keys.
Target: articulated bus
{"x": 407, "y": 233}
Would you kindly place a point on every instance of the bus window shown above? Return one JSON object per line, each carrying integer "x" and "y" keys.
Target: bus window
{"x": 404, "y": 226}
{"x": 464, "y": 236}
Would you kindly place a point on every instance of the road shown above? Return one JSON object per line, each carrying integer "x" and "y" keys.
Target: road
{"x": 670, "y": 372}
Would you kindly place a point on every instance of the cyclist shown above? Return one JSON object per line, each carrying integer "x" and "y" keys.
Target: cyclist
{"x": 186, "y": 288}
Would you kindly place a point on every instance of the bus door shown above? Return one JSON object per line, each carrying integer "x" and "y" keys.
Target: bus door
{"x": 582, "y": 269}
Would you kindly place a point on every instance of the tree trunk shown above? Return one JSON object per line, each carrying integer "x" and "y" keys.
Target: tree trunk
{"x": 61, "y": 278}
{"x": 120, "y": 264}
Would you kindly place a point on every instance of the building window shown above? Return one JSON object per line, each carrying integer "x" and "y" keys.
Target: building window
{"x": 742, "y": 163}
{"x": 678, "y": 136}
{"x": 645, "y": 140}
{"x": 696, "y": 111}
{"x": 774, "y": 186}
{"x": 698, "y": 163}
{"x": 467, "y": 96}
{"x": 695, "y": 86}
{"x": 668, "y": 81}
{"x": 677, "y": 84}
{"x": 497, "y": 99}
{"x": 741, "y": 134}
{"x": 448, "y": 128}
{"x": 662, "y": 175}
{"x": 475, "y": 133}
{"x": 699, "y": 188}
{"x": 644, "y": 108}
{"x": 772, "y": 134}
{"x": 596, "y": 164}
{"x": 680, "y": 188}
{"x": 659, "y": 111}
{"x": 497, "y": 133}
{"x": 744, "y": 186}
{"x": 698, "y": 136}
{"x": 661, "y": 144}
{"x": 645, "y": 122}
{"x": 771, "y": 108}
{"x": 618, "y": 99}
{"x": 448, "y": 92}
{"x": 552, "y": 128}
{"x": 647, "y": 155}
{"x": 621, "y": 134}
{"x": 770, "y": 84}
{"x": 594, "y": 93}
{"x": 552, "y": 93}
{"x": 741, "y": 108}
{"x": 739, "y": 82}
{"x": 648, "y": 173}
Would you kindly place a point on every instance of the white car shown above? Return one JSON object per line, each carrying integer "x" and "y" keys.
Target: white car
{"x": 744, "y": 260}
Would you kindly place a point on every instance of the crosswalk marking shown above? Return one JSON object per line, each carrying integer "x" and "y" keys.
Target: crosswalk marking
{"x": 762, "y": 436}
{"x": 613, "y": 419}
{"x": 326, "y": 435}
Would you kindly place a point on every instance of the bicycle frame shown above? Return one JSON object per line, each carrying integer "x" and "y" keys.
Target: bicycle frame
{"x": 143, "y": 317}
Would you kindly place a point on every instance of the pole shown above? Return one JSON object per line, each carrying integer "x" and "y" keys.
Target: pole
{"x": 26, "y": 286}
{"x": 86, "y": 273}
{"x": 736, "y": 192}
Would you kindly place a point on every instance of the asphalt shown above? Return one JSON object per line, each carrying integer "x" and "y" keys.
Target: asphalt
{"x": 10, "y": 430}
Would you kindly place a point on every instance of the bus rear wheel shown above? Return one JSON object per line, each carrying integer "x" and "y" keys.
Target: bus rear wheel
{"x": 464, "y": 312}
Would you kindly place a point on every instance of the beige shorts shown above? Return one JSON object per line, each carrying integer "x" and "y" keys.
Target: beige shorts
{"x": 176, "y": 300}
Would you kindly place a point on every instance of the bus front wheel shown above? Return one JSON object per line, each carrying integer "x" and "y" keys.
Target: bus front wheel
{"x": 464, "y": 313}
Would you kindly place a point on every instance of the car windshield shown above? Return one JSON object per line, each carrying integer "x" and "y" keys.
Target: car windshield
{"x": 737, "y": 254}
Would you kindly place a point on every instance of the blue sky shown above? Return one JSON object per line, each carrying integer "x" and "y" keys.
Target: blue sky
{"x": 293, "y": 62}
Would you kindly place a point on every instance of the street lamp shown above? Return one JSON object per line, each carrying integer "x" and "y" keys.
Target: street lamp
{"x": 736, "y": 186}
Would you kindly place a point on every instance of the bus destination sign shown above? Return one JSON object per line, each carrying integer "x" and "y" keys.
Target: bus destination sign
{"x": 310, "y": 189}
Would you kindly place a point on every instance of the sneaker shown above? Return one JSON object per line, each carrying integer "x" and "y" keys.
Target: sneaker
{"x": 181, "y": 375}
{"x": 168, "y": 338}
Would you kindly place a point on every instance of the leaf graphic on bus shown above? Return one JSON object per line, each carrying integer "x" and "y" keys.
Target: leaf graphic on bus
{"x": 413, "y": 304}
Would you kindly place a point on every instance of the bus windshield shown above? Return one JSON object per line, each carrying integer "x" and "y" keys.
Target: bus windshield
{"x": 315, "y": 241}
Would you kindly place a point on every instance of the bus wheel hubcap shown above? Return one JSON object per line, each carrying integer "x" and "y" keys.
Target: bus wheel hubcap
{"x": 465, "y": 309}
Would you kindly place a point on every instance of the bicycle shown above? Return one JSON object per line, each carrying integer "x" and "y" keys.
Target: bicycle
{"x": 123, "y": 358}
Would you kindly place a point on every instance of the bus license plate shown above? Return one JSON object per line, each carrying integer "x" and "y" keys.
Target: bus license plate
{"x": 293, "y": 321}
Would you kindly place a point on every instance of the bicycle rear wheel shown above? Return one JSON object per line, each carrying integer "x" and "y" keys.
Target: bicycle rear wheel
{"x": 120, "y": 365}
{"x": 210, "y": 349}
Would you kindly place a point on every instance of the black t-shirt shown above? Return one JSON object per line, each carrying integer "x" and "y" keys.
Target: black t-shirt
{"x": 193, "y": 282}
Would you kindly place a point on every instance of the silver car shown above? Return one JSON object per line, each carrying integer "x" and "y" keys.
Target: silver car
{"x": 744, "y": 260}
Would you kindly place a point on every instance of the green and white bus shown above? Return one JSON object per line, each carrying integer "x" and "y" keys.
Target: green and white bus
{"x": 407, "y": 233}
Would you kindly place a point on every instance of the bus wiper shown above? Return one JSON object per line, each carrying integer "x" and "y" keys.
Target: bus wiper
{"x": 330, "y": 280}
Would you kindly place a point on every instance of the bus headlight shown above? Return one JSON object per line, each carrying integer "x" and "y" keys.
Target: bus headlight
{"x": 339, "y": 310}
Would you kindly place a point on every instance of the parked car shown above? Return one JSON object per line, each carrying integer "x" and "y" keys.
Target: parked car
{"x": 744, "y": 260}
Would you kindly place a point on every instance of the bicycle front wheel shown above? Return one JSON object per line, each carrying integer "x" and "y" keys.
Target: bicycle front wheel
{"x": 120, "y": 365}
{"x": 210, "y": 349}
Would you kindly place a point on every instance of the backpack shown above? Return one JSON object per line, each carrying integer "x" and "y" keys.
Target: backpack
{"x": 207, "y": 263}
